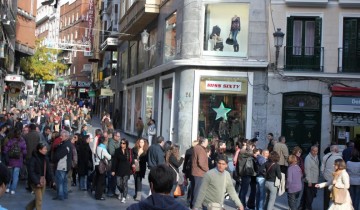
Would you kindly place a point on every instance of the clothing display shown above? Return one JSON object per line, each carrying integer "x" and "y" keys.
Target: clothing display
{"x": 217, "y": 40}
{"x": 234, "y": 30}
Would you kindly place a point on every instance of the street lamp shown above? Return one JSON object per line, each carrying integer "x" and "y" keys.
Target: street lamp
{"x": 144, "y": 39}
{"x": 278, "y": 42}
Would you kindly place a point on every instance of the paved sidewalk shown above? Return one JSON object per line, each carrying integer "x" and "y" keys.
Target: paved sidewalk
{"x": 85, "y": 200}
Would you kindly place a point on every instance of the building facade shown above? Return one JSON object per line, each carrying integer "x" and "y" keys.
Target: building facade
{"x": 314, "y": 90}
{"x": 202, "y": 71}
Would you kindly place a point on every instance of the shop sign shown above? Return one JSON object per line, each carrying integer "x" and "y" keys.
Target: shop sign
{"x": 223, "y": 85}
{"x": 345, "y": 104}
{"x": 14, "y": 78}
{"x": 91, "y": 93}
{"x": 82, "y": 90}
{"x": 106, "y": 92}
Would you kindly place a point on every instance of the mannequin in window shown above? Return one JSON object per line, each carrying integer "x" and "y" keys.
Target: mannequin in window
{"x": 202, "y": 123}
{"x": 215, "y": 36}
{"x": 234, "y": 30}
{"x": 223, "y": 129}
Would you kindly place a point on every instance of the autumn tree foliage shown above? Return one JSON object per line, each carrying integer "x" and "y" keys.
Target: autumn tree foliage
{"x": 43, "y": 64}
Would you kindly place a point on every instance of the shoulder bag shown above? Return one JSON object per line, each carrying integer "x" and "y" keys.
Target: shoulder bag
{"x": 102, "y": 164}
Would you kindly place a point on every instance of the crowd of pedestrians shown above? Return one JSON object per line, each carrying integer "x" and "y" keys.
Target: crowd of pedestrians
{"x": 52, "y": 147}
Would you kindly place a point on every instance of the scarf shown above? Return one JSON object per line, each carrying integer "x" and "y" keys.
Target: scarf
{"x": 336, "y": 174}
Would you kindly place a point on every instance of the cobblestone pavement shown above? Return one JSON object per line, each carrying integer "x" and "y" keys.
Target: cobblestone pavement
{"x": 85, "y": 200}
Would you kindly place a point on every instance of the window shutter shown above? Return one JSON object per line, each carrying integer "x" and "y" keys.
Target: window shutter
{"x": 350, "y": 47}
{"x": 317, "y": 42}
{"x": 289, "y": 41}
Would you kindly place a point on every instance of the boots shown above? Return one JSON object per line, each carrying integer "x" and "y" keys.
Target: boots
{"x": 138, "y": 196}
{"x": 236, "y": 47}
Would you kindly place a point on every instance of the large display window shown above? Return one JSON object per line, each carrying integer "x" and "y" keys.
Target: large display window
{"x": 226, "y": 29}
{"x": 222, "y": 107}
{"x": 128, "y": 109}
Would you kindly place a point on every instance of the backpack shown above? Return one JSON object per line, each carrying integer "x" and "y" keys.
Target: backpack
{"x": 15, "y": 151}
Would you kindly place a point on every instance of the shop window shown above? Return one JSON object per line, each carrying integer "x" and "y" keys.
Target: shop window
{"x": 137, "y": 106}
{"x": 128, "y": 108}
{"x": 141, "y": 58}
{"x": 226, "y": 29}
{"x": 222, "y": 107}
{"x": 149, "y": 91}
{"x": 170, "y": 38}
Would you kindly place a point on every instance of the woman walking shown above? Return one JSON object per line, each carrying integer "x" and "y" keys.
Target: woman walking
{"x": 39, "y": 168}
{"x": 140, "y": 159}
{"x": 100, "y": 153}
{"x": 272, "y": 172}
{"x": 16, "y": 151}
{"x": 172, "y": 158}
{"x": 293, "y": 182}
{"x": 122, "y": 164}
{"x": 339, "y": 186}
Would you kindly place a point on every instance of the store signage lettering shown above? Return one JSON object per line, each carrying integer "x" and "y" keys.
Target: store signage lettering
{"x": 223, "y": 85}
{"x": 345, "y": 104}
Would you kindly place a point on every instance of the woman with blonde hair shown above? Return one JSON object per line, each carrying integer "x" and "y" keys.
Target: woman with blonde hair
{"x": 297, "y": 151}
{"x": 173, "y": 159}
{"x": 339, "y": 187}
{"x": 140, "y": 158}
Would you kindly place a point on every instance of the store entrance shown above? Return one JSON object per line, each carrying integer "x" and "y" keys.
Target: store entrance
{"x": 301, "y": 120}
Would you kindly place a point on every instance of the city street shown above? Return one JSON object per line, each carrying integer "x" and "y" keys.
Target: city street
{"x": 85, "y": 200}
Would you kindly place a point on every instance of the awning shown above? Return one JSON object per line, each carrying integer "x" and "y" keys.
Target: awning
{"x": 15, "y": 78}
{"x": 345, "y": 91}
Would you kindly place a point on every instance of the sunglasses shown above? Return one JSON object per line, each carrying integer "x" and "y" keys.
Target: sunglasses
{"x": 123, "y": 143}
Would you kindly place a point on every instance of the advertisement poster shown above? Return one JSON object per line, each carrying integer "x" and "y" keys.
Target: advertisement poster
{"x": 226, "y": 29}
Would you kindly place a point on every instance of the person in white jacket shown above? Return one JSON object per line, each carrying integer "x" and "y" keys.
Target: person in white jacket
{"x": 327, "y": 168}
{"x": 101, "y": 153}
{"x": 339, "y": 180}
{"x": 353, "y": 169}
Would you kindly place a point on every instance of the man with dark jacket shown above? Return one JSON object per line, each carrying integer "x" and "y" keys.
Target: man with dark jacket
{"x": 62, "y": 159}
{"x": 32, "y": 139}
{"x": 156, "y": 155}
{"x": 161, "y": 181}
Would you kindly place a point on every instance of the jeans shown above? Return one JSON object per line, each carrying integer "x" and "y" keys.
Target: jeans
{"x": 99, "y": 181}
{"x": 14, "y": 178}
{"x": 326, "y": 197}
{"x": 271, "y": 192}
{"x": 355, "y": 195}
{"x": 309, "y": 193}
{"x": 245, "y": 182}
{"x": 138, "y": 182}
{"x": 122, "y": 183}
{"x": 83, "y": 182}
{"x": 234, "y": 34}
{"x": 196, "y": 188}
{"x": 293, "y": 200}
{"x": 37, "y": 202}
{"x": 111, "y": 184}
{"x": 251, "y": 200}
{"x": 260, "y": 193}
{"x": 61, "y": 184}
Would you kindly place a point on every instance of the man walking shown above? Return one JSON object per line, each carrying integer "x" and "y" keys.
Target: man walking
{"x": 199, "y": 166}
{"x": 283, "y": 151}
{"x": 113, "y": 144}
{"x": 216, "y": 182}
{"x": 156, "y": 155}
{"x": 63, "y": 159}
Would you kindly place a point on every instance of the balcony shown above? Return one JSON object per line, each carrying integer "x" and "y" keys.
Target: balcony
{"x": 8, "y": 20}
{"x": 349, "y": 3}
{"x": 304, "y": 58}
{"x": 138, "y": 16}
{"x": 307, "y": 2}
{"x": 86, "y": 68}
{"x": 348, "y": 61}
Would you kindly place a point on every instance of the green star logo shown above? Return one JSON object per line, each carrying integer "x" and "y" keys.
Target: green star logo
{"x": 221, "y": 112}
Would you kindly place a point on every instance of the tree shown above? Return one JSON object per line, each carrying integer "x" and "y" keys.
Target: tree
{"x": 42, "y": 65}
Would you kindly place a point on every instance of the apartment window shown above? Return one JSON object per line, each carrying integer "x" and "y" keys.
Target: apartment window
{"x": 133, "y": 58}
{"x": 65, "y": 21}
{"x": 74, "y": 70}
{"x": 69, "y": 21}
{"x": 76, "y": 34}
{"x": 116, "y": 11}
{"x": 75, "y": 53}
{"x": 86, "y": 32}
{"x": 73, "y": 18}
{"x": 351, "y": 45}
{"x": 72, "y": 37}
{"x": 170, "y": 38}
{"x": 77, "y": 16}
{"x": 303, "y": 44}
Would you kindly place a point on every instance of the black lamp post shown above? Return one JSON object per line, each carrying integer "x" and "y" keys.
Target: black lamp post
{"x": 278, "y": 42}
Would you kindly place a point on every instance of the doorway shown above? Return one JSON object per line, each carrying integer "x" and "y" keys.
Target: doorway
{"x": 166, "y": 104}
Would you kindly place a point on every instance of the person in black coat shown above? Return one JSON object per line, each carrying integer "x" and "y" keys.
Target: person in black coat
{"x": 85, "y": 162}
{"x": 174, "y": 161}
{"x": 39, "y": 166}
{"x": 140, "y": 159}
{"x": 122, "y": 164}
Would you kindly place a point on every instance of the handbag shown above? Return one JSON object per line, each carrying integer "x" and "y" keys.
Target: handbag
{"x": 102, "y": 164}
{"x": 43, "y": 178}
{"x": 137, "y": 165}
{"x": 229, "y": 41}
{"x": 178, "y": 191}
{"x": 338, "y": 195}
